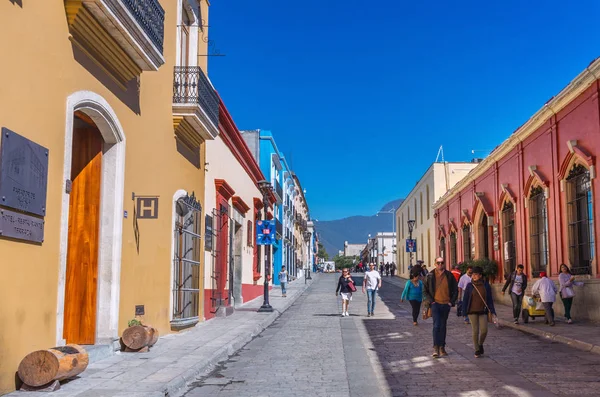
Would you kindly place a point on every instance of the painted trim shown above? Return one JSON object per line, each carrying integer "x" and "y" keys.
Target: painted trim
{"x": 239, "y": 204}
{"x": 178, "y": 194}
{"x": 224, "y": 189}
{"x": 111, "y": 214}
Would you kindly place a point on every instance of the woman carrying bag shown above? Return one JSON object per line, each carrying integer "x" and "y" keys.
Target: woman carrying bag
{"x": 346, "y": 287}
{"x": 413, "y": 292}
{"x": 567, "y": 293}
{"x": 478, "y": 304}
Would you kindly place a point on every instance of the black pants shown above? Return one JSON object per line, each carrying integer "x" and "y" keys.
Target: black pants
{"x": 568, "y": 302}
{"x": 416, "y": 309}
{"x": 517, "y": 301}
{"x": 549, "y": 311}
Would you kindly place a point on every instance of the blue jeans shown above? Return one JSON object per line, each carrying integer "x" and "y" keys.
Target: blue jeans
{"x": 440, "y": 318}
{"x": 371, "y": 293}
{"x": 283, "y": 290}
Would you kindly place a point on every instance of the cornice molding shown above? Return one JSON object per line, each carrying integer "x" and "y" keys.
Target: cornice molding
{"x": 239, "y": 204}
{"x": 557, "y": 103}
{"x": 224, "y": 189}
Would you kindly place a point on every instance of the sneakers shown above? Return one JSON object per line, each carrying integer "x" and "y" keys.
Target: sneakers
{"x": 569, "y": 321}
{"x": 467, "y": 321}
{"x": 516, "y": 321}
{"x": 477, "y": 353}
{"x": 436, "y": 352}
{"x": 443, "y": 351}
{"x": 369, "y": 314}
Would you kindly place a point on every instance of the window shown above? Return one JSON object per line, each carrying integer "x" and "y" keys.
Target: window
{"x": 428, "y": 202}
{"x": 428, "y": 246}
{"x": 453, "y": 259}
{"x": 421, "y": 205}
{"x": 402, "y": 226}
{"x": 484, "y": 237}
{"x": 466, "y": 236}
{"x": 416, "y": 212}
{"x": 508, "y": 236}
{"x": 538, "y": 230}
{"x": 249, "y": 234}
{"x": 580, "y": 219}
{"x": 186, "y": 280}
{"x": 443, "y": 248}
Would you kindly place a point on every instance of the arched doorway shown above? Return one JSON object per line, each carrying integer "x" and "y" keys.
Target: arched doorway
{"x": 90, "y": 247}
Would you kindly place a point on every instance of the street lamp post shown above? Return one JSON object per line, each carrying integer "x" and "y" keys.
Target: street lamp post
{"x": 307, "y": 236}
{"x": 266, "y": 188}
{"x": 411, "y": 226}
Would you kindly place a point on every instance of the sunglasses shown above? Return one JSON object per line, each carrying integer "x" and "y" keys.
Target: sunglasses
{"x": 439, "y": 263}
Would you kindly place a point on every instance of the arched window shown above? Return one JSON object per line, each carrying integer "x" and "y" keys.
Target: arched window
{"x": 466, "y": 235}
{"x": 443, "y": 248}
{"x": 509, "y": 237}
{"x": 580, "y": 219}
{"x": 538, "y": 230}
{"x": 484, "y": 236}
{"x": 453, "y": 257}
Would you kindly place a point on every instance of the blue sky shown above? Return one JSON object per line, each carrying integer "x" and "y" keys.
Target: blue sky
{"x": 360, "y": 95}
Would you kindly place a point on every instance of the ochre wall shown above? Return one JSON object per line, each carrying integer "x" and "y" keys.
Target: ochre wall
{"x": 37, "y": 73}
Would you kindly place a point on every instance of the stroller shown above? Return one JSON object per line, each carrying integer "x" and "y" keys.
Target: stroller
{"x": 532, "y": 307}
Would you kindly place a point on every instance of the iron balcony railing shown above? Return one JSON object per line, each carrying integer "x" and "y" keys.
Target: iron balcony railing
{"x": 278, "y": 190}
{"x": 151, "y": 17}
{"x": 190, "y": 85}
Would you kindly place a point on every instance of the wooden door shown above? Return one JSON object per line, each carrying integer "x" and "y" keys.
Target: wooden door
{"x": 82, "y": 254}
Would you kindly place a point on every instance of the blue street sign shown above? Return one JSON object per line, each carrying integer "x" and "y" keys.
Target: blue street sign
{"x": 411, "y": 245}
{"x": 265, "y": 232}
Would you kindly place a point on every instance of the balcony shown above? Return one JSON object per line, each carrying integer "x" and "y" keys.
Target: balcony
{"x": 278, "y": 192}
{"x": 278, "y": 229}
{"x": 195, "y": 106}
{"x": 124, "y": 37}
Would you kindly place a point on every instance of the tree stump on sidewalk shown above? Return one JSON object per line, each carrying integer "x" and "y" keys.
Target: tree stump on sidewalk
{"x": 139, "y": 338}
{"x": 43, "y": 367}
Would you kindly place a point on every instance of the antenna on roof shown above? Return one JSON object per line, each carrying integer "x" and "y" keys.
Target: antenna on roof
{"x": 440, "y": 152}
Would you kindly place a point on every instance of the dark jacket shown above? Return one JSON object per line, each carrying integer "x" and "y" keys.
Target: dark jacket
{"x": 429, "y": 287}
{"x": 510, "y": 281}
{"x": 343, "y": 285}
{"x": 468, "y": 294}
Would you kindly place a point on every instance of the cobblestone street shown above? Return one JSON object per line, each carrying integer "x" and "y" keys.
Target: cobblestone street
{"x": 312, "y": 351}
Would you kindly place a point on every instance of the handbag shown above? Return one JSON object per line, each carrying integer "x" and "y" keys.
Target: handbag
{"x": 567, "y": 292}
{"x": 426, "y": 313}
{"x": 351, "y": 286}
{"x": 492, "y": 318}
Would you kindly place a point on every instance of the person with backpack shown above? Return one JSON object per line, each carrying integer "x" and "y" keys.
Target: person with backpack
{"x": 413, "y": 292}
{"x": 477, "y": 303}
{"x": 516, "y": 284}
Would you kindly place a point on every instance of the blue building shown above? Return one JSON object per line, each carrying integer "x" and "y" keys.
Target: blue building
{"x": 271, "y": 162}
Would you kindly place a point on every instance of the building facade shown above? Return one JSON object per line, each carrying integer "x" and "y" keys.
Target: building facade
{"x": 417, "y": 207}
{"x": 233, "y": 203}
{"x": 531, "y": 201}
{"x": 353, "y": 250}
{"x": 107, "y": 234}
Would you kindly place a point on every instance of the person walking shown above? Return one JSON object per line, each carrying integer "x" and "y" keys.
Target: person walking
{"x": 387, "y": 269}
{"x": 547, "y": 291}
{"x": 413, "y": 292}
{"x": 440, "y": 292}
{"x": 477, "y": 303}
{"x": 381, "y": 269}
{"x": 371, "y": 283}
{"x": 566, "y": 281}
{"x": 393, "y": 269}
{"x": 456, "y": 273}
{"x": 345, "y": 290}
{"x": 516, "y": 284}
{"x": 464, "y": 280}
{"x": 283, "y": 279}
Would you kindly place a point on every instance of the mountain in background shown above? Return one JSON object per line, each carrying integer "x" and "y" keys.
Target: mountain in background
{"x": 354, "y": 229}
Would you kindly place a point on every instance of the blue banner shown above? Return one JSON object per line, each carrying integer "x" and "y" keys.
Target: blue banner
{"x": 265, "y": 232}
{"x": 411, "y": 245}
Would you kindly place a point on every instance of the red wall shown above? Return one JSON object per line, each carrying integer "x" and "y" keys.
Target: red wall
{"x": 547, "y": 150}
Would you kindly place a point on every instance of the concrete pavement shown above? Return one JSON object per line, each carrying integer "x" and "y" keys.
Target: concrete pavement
{"x": 177, "y": 359}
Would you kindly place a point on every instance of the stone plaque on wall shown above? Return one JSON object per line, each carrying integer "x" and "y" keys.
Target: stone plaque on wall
{"x": 23, "y": 173}
{"x": 20, "y": 226}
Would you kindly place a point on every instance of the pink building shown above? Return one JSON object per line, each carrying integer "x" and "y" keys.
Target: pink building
{"x": 531, "y": 201}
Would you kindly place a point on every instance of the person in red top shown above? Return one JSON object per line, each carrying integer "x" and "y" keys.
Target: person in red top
{"x": 456, "y": 273}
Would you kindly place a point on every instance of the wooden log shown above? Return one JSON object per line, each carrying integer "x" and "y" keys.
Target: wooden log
{"x": 144, "y": 349}
{"x": 139, "y": 336}
{"x": 154, "y": 336}
{"x": 58, "y": 363}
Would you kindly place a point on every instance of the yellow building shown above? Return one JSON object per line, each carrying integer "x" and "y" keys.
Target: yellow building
{"x": 104, "y": 218}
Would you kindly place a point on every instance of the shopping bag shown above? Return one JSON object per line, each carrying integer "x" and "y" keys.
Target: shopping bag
{"x": 426, "y": 313}
{"x": 539, "y": 306}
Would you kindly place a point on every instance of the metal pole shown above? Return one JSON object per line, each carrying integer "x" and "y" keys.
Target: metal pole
{"x": 266, "y": 307}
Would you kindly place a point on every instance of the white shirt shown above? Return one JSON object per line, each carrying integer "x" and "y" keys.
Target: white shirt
{"x": 372, "y": 278}
{"x": 546, "y": 288}
{"x": 464, "y": 281}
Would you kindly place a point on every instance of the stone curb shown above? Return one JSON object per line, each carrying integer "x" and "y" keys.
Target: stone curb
{"x": 176, "y": 387}
{"x": 574, "y": 343}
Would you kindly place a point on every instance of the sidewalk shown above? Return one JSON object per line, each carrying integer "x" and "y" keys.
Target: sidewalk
{"x": 178, "y": 359}
{"x": 582, "y": 335}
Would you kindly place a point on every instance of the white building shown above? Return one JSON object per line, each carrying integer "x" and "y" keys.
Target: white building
{"x": 353, "y": 249}
{"x": 417, "y": 207}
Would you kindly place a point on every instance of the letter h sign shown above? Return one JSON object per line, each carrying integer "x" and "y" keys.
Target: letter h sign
{"x": 147, "y": 207}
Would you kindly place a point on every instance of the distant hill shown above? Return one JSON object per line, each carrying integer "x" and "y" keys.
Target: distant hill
{"x": 354, "y": 229}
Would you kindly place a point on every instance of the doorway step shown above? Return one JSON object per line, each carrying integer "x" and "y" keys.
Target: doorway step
{"x": 100, "y": 352}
